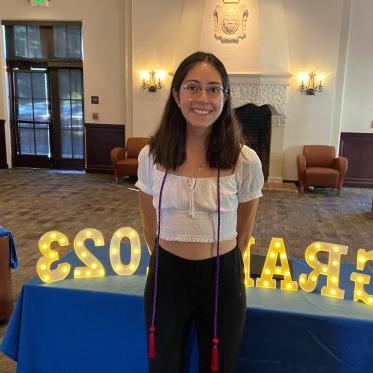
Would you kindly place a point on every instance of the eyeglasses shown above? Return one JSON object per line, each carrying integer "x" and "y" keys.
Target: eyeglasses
{"x": 213, "y": 92}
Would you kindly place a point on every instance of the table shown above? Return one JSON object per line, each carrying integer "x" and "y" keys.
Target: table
{"x": 8, "y": 261}
{"x": 96, "y": 325}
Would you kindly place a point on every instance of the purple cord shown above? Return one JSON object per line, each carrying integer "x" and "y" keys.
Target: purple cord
{"x": 217, "y": 262}
{"x": 157, "y": 252}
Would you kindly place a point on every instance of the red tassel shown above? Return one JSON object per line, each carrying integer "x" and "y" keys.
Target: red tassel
{"x": 215, "y": 356}
{"x": 151, "y": 342}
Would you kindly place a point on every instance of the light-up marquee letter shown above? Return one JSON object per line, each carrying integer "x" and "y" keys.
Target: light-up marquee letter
{"x": 43, "y": 266}
{"x": 331, "y": 269}
{"x": 249, "y": 282}
{"x": 135, "y": 247}
{"x": 276, "y": 262}
{"x": 361, "y": 279}
{"x": 276, "y": 251}
{"x": 94, "y": 267}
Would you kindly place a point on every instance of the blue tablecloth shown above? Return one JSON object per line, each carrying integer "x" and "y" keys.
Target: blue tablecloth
{"x": 96, "y": 325}
{"x": 13, "y": 261}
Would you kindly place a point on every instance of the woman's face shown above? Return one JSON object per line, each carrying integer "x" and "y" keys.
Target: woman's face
{"x": 201, "y": 96}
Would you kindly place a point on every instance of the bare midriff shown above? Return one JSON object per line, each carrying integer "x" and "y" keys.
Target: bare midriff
{"x": 197, "y": 250}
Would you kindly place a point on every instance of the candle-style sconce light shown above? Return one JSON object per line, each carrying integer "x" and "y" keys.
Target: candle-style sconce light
{"x": 309, "y": 85}
{"x": 151, "y": 80}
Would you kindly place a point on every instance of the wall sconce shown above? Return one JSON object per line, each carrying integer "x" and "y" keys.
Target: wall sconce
{"x": 151, "y": 80}
{"x": 310, "y": 88}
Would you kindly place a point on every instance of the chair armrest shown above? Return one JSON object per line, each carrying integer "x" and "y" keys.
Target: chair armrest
{"x": 341, "y": 164}
{"x": 301, "y": 166}
{"x": 117, "y": 154}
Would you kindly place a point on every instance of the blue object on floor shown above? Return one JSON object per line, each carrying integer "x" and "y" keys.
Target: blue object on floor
{"x": 96, "y": 325}
{"x": 13, "y": 261}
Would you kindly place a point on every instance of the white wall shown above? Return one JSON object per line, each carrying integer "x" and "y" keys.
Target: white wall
{"x": 273, "y": 48}
{"x": 341, "y": 75}
{"x": 357, "y": 112}
{"x": 155, "y": 31}
{"x": 104, "y": 51}
{"x": 313, "y": 37}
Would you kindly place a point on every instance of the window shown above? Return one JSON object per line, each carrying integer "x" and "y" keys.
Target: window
{"x": 27, "y": 42}
{"x": 67, "y": 42}
{"x": 43, "y": 42}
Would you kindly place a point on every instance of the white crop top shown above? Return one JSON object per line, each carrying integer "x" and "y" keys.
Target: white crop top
{"x": 189, "y": 205}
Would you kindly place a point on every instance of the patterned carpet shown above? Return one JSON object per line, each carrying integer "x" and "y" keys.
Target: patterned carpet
{"x": 33, "y": 202}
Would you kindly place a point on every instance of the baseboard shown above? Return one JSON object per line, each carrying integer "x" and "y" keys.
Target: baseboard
{"x": 358, "y": 183}
{"x": 92, "y": 169}
{"x": 274, "y": 179}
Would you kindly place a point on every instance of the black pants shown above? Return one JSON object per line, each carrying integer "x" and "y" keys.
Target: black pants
{"x": 186, "y": 294}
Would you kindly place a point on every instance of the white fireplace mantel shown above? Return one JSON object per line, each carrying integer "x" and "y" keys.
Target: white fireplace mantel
{"x": 259, "y": 78}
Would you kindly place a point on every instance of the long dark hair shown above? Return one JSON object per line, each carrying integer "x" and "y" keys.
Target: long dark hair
{"x": 167, "y": 145}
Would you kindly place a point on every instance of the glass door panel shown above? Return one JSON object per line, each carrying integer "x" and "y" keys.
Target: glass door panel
{"x": 26, "y": 138}
{"x": 32, "y": 112}
{"x": 71, "y": 113}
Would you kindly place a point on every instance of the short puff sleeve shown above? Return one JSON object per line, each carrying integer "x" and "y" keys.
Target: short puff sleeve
{"x": 250, "y": 177}
{"x": 145, "y": 171}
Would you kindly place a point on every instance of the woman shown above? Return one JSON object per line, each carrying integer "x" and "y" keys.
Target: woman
{"x": 199, "y": 190}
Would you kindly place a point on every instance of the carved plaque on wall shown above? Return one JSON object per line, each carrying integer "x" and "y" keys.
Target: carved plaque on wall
{"x": 230, "y": 21}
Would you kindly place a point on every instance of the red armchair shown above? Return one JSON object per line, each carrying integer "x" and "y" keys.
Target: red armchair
{"x": 319, "y": 167}
{"x": 124, "y": 160}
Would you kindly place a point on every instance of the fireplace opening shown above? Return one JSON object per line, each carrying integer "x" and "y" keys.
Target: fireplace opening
{"x": 256, "y": 127}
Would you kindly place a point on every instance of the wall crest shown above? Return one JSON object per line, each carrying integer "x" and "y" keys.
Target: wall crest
{"x": 230, "y": 21}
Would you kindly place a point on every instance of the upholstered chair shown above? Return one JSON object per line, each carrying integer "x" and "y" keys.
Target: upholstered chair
{"x": 319, "y": 167}
{"x": 124, "y": 159}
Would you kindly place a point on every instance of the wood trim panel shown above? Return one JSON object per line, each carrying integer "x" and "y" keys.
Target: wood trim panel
{"x": 3, "y": 163}
{"x": 100, "y": 139}
{"x": 358, "y": 149}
